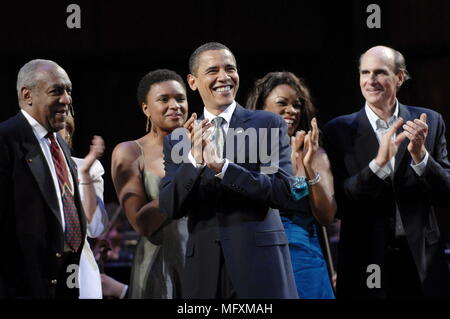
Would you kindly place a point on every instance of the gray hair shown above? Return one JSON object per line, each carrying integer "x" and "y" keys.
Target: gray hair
{"x": 27, "y": 73}
{"x": 399, "y": 62}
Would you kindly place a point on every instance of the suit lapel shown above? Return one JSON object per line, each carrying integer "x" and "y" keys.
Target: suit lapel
{"x": 237, "y": 126}
{"x": 403, "y": 113}
{"x": 38, "y": 165}
{"x": 366, "y": 142}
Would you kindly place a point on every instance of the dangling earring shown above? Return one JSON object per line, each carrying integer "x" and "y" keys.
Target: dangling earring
{"x": 147, "y": 127}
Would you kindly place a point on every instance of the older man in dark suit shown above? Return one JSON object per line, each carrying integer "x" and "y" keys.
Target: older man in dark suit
{"x": 391, "y": 172}
{"x": 237, "y": 247}
{"x": 42, "y": 224}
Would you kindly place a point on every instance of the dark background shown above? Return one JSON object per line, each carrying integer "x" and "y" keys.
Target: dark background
{"x": 118, "y": 43}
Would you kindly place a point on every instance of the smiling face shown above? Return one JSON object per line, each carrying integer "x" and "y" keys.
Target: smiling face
{"x": 216, "y": 79}
{"x": 285, "y": 101}
{"x": 48, "y": 101}
{"x": 166, "y": 105}
{"x": 377, "y": 79}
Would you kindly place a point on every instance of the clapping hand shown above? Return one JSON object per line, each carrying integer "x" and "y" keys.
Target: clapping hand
{"x": 311, "y": 148}
{"x": 304, "y": 150}
{"x": 416, "y": 132}
{"x": 297, "y": 153}
{"x": 196, "y": 133}
{"x": 389, "y": 145}
{"x": 95, "y": 152}
{"x": 189, "y": 124}
{"x": 210, "y": 153}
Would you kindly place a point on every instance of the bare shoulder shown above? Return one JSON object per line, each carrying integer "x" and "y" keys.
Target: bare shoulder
{"x": 126, "y": 152}
{"x": 126, "y": 166}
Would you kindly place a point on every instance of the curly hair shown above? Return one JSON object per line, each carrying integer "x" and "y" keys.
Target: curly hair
{"x": 262, "y": 88}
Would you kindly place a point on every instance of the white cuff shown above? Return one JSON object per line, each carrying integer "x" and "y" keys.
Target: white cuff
{"x": 381, "y": 172}
{"x": 224, "y": 169}
{"x": 192, "y": 159}
{"x": 420, "y": 168}
{"x": 124, "y": 291}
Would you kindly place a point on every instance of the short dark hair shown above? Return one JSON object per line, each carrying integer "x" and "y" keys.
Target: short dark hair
{"x": 262, "y": 88}
{"x": 153, "y": 77}
{"x": 193, "y": 59}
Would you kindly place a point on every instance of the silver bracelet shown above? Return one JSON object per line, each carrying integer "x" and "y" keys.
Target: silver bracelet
{"x": 87, "y": 183}
{"x": 315, "y": 180}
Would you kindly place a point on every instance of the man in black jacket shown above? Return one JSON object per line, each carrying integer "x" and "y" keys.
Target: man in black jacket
{"x": 237, "y": 246}
{"x": 42, "y": 224}
{"x": 391, "y": 172}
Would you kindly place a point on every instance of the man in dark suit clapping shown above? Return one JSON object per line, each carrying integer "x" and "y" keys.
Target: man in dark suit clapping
{"x": 237, "y": 247}
{"x": 391, "y": 171}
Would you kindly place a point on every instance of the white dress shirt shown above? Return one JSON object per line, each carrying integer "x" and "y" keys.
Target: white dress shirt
{"x": 40, "y": 132}
{"x": 226, "y": 115}
{"x": 88, "y": 274}
{"x": 388, "y": 170}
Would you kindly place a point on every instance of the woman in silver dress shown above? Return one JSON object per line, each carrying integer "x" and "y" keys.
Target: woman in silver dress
{"x": 137, "y": 169}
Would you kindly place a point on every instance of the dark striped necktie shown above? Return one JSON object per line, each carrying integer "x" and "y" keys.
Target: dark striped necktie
{"x": 71, "y": 218}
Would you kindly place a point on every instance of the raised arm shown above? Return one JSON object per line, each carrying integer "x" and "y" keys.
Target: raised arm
{"x": 272, "y": 185}
{"x": 311, "y": 160}
{"x": 87, "y": 188}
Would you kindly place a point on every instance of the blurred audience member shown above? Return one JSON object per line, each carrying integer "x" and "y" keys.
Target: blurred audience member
{"x": 90, "y": 172}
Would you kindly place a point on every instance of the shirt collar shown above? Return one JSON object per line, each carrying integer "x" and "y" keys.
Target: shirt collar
{"x": 226, "y": 114}
{"x": 39, "y": 131}
{"x": 373, "y": 117}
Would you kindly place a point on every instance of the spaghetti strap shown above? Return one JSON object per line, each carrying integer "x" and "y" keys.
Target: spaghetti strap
{"x": 142, "y": 154}
{"x": 142, "y": 150}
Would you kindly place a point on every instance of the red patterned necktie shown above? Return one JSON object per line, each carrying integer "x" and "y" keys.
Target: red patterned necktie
{"x": 73, "y": 229}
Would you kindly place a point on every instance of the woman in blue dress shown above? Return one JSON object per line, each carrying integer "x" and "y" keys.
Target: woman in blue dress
{"x": 285, "y": 94}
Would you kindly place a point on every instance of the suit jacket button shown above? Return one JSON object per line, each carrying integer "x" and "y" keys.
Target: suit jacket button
{"x": 58, "y": 255}
{"x": 54, "y": 281}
